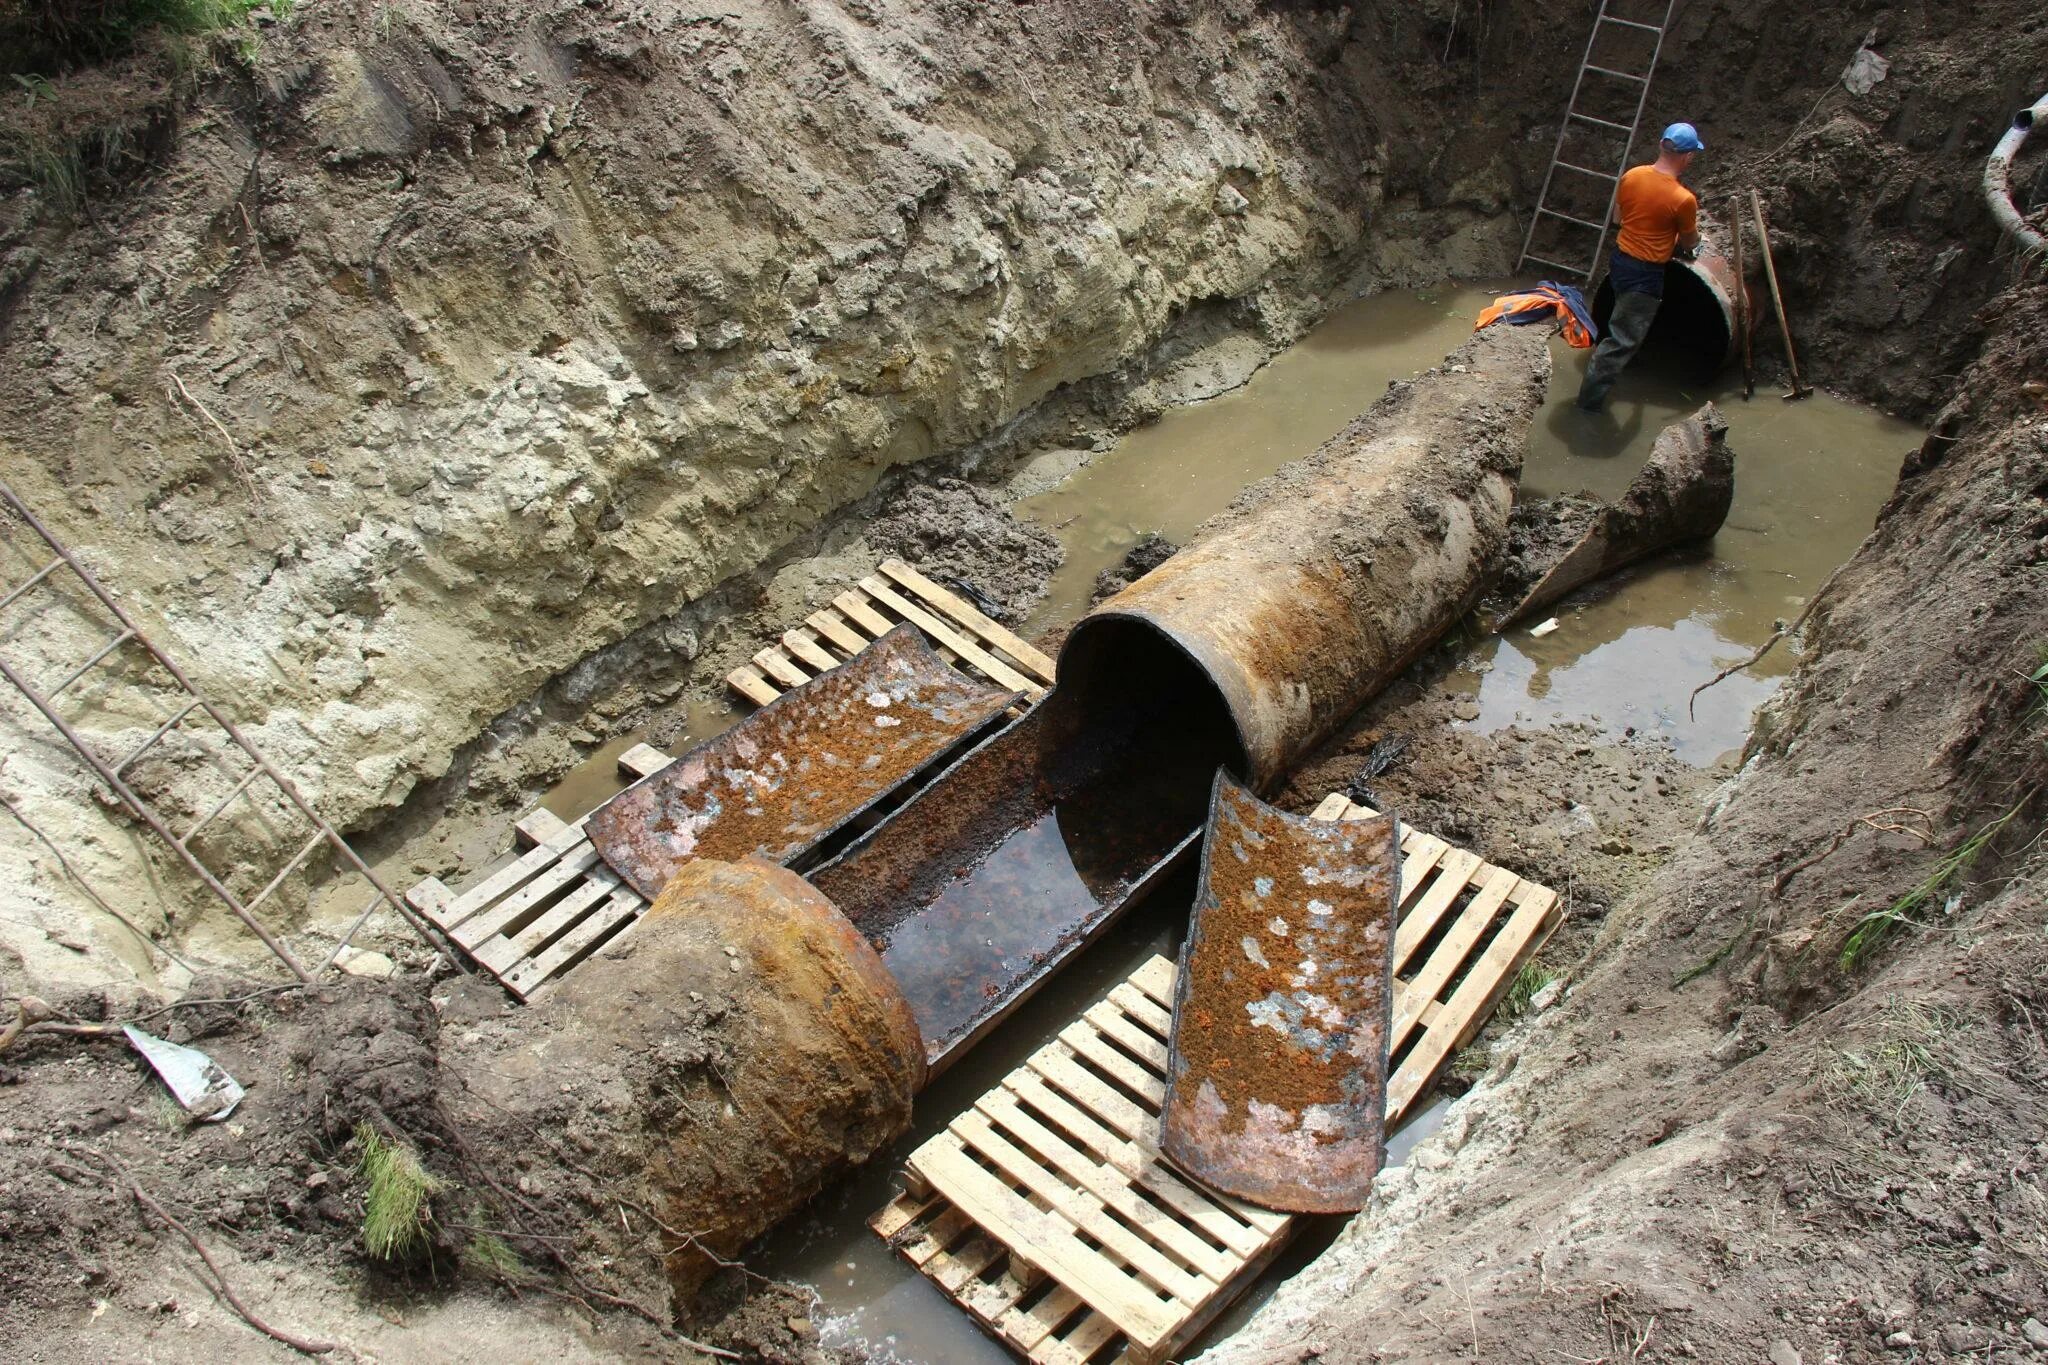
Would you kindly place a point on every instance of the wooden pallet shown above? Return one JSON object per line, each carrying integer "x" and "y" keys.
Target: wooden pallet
{"x": 863, "y": 614}
{"x": 531, "y": 921}
{"x": 1047, "y": 1211}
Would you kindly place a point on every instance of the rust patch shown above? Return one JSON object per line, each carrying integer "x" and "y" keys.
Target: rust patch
{"x": 788, "y": 776}
{"x": 1277, "y": 1068}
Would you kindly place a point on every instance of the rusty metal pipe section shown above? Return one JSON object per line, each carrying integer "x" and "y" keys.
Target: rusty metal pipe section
{"x": 1323, "y": 581}
{"x": 1276, "y": 1072}
{"x": 802, "y": 768}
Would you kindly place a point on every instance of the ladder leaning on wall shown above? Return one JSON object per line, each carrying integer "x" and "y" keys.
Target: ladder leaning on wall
{"x": 64, "y": 570}
{"x": 1616, "y": 44}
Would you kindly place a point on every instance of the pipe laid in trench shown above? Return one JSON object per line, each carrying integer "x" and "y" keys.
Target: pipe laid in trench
{"x": 1698, "y": 320}
{"x": 1283, "y": 616}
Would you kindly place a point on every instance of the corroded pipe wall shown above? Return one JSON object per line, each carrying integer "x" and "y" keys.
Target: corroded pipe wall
{"x": 1322, "y": 582}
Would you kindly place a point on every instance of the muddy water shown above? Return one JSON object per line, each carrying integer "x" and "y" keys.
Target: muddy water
{"x": 1809, "y": 479}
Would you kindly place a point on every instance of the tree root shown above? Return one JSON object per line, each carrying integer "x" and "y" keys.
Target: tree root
{"x": 223, "y": 1290}
{"x": 1780, "y": 633}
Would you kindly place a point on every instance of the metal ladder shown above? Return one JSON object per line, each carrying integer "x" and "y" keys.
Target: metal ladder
{"x": 1603, "y": 22}
{"x": 65, "y": 568}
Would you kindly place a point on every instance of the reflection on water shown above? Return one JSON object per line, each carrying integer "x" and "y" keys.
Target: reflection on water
{"x": 989, "y": 928}
{"x": 1809, "y": 477}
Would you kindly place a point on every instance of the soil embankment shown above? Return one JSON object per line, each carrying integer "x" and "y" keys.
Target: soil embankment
{"x": 438, "y": 363}
{"x": 1768, "y": 1119}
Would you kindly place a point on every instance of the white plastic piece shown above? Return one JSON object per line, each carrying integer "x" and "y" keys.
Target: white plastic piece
{"x": 205, "y": 1091}
{"x": 1540, "y": 631}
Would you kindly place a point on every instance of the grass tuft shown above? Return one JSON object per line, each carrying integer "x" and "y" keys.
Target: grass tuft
{"x": 1909, "y": 1042}
{"x": 1939, "y": 887}
{"x": 399, "y": 1194}
{"x": 49, "y": 35}
{"x": 489, "y": 1253}
{"x": 1532, "y": 978}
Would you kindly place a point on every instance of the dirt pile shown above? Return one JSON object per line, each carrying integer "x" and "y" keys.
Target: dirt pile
{"x": 1792, "y": 1103}
{"x": 965, "y": 535}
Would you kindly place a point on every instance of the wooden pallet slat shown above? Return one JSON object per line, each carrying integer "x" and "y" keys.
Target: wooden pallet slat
{"x": 963, "y": 614}
{"x": 995, "y": 669}
{"x": 534, "y": 918}
{"x": 1110, "y": 1249}
{"x": 856, "y": 618}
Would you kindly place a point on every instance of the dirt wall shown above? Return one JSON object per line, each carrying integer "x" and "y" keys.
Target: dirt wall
{"x": 444, "y": 347}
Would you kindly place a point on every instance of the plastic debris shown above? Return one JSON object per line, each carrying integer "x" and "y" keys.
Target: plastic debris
{"x": 1540, "y": 631}
{"x": 205, "y": 1091}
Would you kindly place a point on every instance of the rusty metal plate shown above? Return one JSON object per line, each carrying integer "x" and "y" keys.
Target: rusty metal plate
{"x": 797, "y": 770}
{"x": 1277, "y": 1068}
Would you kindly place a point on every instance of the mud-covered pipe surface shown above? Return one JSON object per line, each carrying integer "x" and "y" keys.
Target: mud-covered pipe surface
{"x": 1321, "y": 583}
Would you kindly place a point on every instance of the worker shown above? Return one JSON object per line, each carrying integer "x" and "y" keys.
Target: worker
{"x": 1659, "y": 219}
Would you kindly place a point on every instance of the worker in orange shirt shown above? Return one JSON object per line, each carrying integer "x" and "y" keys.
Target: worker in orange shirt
{"x": 1659, "y": 219}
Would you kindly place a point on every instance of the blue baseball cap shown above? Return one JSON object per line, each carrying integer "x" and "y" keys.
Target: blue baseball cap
{"x": 1684, "y": 137}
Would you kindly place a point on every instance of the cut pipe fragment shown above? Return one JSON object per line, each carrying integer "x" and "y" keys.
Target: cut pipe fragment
{"x": 1277, "y": 1067}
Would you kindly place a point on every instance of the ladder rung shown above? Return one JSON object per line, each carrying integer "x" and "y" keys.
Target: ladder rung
{"x": 108, "y": 648}
{"x": 1558, "y": 265}
{"x": 319, "y": 838}
{"x": 1604, "y": 123}
{"x": 1607, "y": 18}
{"x": 40, "y": 575}
{"x": 1582, "y": 222}
{"x": 187, "y": 709}
{"x": 1587, "y": 170}
{"x": 222, "y": 805}
{"x": 1622, "y": 75}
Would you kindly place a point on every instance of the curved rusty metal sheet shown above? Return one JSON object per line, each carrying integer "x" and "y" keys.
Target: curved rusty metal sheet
{"x": 799, "y": 769}
{"x": 1277, "y": 1067}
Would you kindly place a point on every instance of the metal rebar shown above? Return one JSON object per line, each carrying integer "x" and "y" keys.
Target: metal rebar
{"x": 149, "y": 817}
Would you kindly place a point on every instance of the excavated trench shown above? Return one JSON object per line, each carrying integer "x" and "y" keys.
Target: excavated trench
{"x": 1093, "y": 800}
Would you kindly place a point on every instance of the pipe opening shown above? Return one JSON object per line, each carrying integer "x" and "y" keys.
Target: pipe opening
{"x": 1122, "y": 675}
{"x": 1694, "y": 333}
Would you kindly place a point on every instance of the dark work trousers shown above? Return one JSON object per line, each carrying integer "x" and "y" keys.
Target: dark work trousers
{"x": 1626, "y": 328}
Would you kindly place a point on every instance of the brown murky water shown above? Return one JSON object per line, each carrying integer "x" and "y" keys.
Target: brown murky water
{"x": 1809, "y": 478}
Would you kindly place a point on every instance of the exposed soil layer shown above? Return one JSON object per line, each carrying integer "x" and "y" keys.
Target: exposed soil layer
{"x": 1792, "y": 1104}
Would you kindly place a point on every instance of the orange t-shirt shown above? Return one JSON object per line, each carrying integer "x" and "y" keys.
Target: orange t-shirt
{"x": 1655, "y": 212}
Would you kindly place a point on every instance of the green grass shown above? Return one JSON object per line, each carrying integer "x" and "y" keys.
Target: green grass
{"x": 1936, "y": 888}
{"x": 51, "y": 35}
{"x": 397, "y": 1197}
{"x": 1908, "y": 1044}
{"x": 1532, "y": 978}
{"x": 489, "y": 1253}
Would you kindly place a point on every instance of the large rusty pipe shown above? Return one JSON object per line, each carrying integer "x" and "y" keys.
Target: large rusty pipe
{"x": 1322, "y": 582}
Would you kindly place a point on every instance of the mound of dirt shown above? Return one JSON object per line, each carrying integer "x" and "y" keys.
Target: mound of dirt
{"x": 1791, "y": 1106}
{"x": 1149, "y": 553}
{"x": 966, "y": 537}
